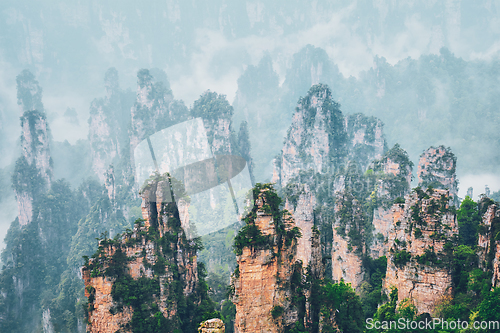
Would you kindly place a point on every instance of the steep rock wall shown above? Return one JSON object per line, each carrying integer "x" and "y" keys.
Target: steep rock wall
{"x": 261, "y": 282}
{"x": 436, "y": 168}
{"x": 416, "y": 263}
{"x": 108, "y": 125}
{"x": 156, "y": 252}
{"x": 33, "y": 172}
{"x": 154, "y": 108}
{"x": 319, "y": 148}
{"x": 489, "y": 243}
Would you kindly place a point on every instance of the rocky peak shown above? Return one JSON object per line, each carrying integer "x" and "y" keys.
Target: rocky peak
{"x": 310, "y": 66}
{"x": 419, "y": 241}
{"x": 266, "y": 257}
{"x": 216, "y": 113}
{"x": 108, "y": 126}
{"x": 111, "y": 83}
{"x": 366, "y": 139}
{"x": 316, "y": 140}
{"x": 34, "y": 170}
{"x": 323, "y": 160}
{"x": 152, "y": 264}
{"x": 436, "y": 168}
{"x": 29, "y": 92}
{"x": 154, "y": 108}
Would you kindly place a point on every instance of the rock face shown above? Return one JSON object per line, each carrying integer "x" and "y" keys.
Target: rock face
{"x": 393, "y": 182}
{"x": 266, "y": 263}
{"x": 415, "y": 265}
{"x": 108, "y": 125}
{"x": 212, "y": 326}
{"x": 318, "y": 149}
{"x": 155, "y": 254}
{"x": 346, "y": 253}
{"x": 154, "y": 108}
{"x": 33, "y": 172}
{"x": 316, "y": 138}
{"x": 436, "y": 168}
{"x": 489, "y": 244}
{"x": 216, "y": 113}
{"x": 496, "y": 267}
{"x": 364, "y": 213}
{"x": 366, "y": 139}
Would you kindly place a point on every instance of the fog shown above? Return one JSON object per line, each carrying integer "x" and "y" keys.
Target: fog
{"x": 211, "y": 45}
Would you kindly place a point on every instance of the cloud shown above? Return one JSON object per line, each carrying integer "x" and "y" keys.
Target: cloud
{"x": 349, "y": 43}
{"x": 478, "y": 183}
{"x": 56, "y": 103}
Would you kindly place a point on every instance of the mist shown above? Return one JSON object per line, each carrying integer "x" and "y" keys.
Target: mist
{"x": 210, "y": 46}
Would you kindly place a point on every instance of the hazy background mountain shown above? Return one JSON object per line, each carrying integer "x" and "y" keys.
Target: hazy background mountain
{"x": 429, "y": 70}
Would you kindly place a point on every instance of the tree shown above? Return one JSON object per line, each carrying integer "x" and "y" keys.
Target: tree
{"x": 468, "y": 221}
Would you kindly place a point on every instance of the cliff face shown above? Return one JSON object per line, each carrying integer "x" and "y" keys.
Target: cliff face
{"x": 317, "y": 150}
{"x": 154, "y": 108}
{"x": 316, "y": 138}
{"x": 108, "y": 125}
{"x": 33, "y": 172}
{"x": 153, "y": 264}
{"x": 496, "y": 266}
{"x": 216, "y": 113}
{"x": 346, "y": 253}
{"x": 366, "y": 139}
{"x": 436, "y": 168}
{"x": 393, "y": 182}
{"x": 419, "y": 242}
{"x": 489, "y": 243}
{"x": 266, "y": 260}
{"x": 330, "y": 169}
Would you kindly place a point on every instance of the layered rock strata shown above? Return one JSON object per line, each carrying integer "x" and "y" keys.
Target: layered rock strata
{"x": 436, "y": 168}
{"x": 156, "y": 253}
{"x": 319, "y": 147}
{"x": 489, "y": 243}
{"x": 418, "y": 243}
{"x": 266, "y": 262}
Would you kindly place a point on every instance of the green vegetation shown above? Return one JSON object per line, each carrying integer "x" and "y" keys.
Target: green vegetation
{"x": 401, "y": 258}
{"x": 37, "y": 254}
{"x": 277, "y": 311}
{"x": 142, "y": 294}
{"x": 468, "y": 219}
{"x": 251, "y": 236}
{"x": 371, "y": 290}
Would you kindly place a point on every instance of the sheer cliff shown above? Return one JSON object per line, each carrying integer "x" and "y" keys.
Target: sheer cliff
{"x": 321, "y": 171}
{"x": 108, "y": 125}
{"x": 33, "y": 170}
{"x": 147, "y": 279}
{"x": 273, "y": 290}
{"x": 421, "y": 242}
